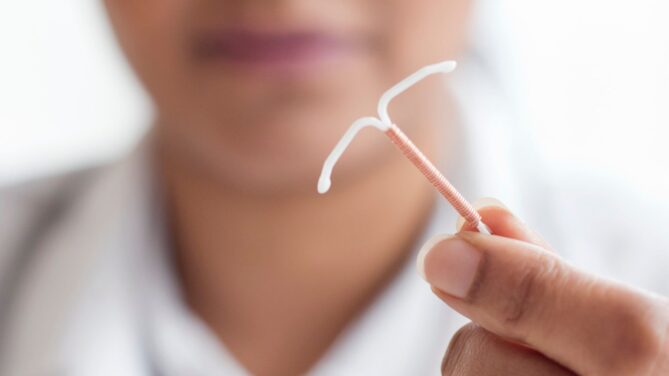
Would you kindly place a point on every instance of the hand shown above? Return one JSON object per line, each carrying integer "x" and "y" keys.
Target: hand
{"x": 534, "y": 314}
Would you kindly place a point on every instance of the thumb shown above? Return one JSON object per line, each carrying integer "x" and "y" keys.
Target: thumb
{"x": 511, "y": 286}
{"x": 501, "y": 221}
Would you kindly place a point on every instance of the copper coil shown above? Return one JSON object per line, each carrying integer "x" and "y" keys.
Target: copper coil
{"x": 438, "y": 180}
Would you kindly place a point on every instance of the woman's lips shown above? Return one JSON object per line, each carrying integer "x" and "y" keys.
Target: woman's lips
{"x": 279, "y": 50}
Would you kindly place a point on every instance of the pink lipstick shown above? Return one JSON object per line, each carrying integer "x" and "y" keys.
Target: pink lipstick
{"x": 273, "y": 50}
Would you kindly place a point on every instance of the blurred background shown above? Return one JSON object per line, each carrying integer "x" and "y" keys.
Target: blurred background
{"x": 591, "y": 80}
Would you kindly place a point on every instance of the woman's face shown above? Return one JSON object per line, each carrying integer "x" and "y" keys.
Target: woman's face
{"x": 257, "y": 92}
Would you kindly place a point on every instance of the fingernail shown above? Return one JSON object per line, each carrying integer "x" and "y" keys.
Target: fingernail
{"x": 450, "y": 264}
{"x": 481, "y": 203}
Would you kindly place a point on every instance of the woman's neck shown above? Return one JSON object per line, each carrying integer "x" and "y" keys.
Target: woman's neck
{"x": 278, "y": 278}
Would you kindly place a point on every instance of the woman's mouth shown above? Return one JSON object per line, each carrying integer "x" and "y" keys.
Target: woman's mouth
{"x": 289, "y": 51}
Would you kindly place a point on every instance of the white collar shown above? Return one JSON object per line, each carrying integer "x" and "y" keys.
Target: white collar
{"x": 404, "y": 331}
{"x": 84, "y": 309}
{"x": 88, "y": 272}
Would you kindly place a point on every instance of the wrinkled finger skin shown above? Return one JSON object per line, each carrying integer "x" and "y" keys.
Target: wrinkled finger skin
{"x": 522, "y": 293}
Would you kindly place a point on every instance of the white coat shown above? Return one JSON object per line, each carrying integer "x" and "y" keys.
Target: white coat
{"x": 85, "y": 288}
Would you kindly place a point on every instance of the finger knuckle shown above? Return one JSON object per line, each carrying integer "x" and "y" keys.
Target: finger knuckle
{"x": 641, "y": 341}
{"x": 529, "y": 288}
{"x": 466, "y": 342}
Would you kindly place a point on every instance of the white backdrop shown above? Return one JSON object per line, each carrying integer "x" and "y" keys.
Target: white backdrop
{"x": 66, "y": 96}
{"x": 594, "y": 79}
{"x": 596, "y": 84}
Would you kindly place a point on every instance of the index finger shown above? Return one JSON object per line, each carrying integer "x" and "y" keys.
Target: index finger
{"x": 496, "y": 216}
{"x": 526, "y": 294}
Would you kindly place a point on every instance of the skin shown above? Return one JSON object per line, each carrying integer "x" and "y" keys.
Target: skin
{"x": 238, "y": 150}
{"x": 276, "y": 271}
{"x": 534, "y": 314}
